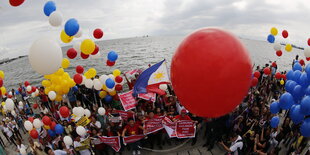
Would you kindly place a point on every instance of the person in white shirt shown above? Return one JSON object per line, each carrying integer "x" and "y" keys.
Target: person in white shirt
{"x": 94, "y": 123}
{"x": 49, "y": 151}
{"x": 9, "y": 133}
{"x": 20, "y": 145}
{"x": 236, "y": 144}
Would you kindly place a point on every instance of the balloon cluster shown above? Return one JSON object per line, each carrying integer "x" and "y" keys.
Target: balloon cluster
{"x": 277, "y": 46}
{"x": 30, "y": 89}
{"x": 112, "y": 57}
{"x": 296, "y": 99}
{"x": 57, "y": 84}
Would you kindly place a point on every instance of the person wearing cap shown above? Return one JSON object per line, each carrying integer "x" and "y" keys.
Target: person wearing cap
{"x": 182, "y": 116}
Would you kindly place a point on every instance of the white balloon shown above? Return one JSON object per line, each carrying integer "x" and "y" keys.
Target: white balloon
{"x": 68, "y": 140}
{"x": 22, "y": 151}
{"x": 277, "y": 46}
{"x": 77, "y": 47}
{"x": 28, "y": 125}
{"x": 13, "y": 113}
{"x": 79, "y": 111}
{"x": 97, "y": 84}
{"x": 87, "y": 112}
{"x": 101, "y": 111}
{"x": 36, "y": 92}
{"x": 103, "y": 78}
{"x": 84, "y": 79}
{"x": 111, "y": 76}
{"x": 33, "y": 95}
{"x": 20, "y": 103}
{"x": 28, "y": 88}
{"x": 9, "y": 103}
{"x": 163, "y": 87}
{"x": 55, "y": 19}
{"x": 80, "y": 131}
{"x": 52, "y": 95}
{"x": 10, "y": 93}
{"x": 89, "y": 83}
{"x": 307, "y": 52}
{"x": 37, "y": 123}
{"x": 45, "y": 56}
{"x": 74, "y": 110}
{"x": 79, "y": 34}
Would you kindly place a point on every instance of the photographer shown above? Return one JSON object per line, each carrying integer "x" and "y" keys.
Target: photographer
{"x": 236, "y": 144}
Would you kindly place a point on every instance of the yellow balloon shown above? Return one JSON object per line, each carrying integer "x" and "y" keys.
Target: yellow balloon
{"x": 64, "y": 83}
{"x": 66, "y": 75}
{"x": 55, "y": 80}
{"x": 88, "y": 46}
{"x": 102, "y": 94}
{"x": 72, "y": 83}
{"x": 3, "y": 103}
{"x": 65, "y": 90}
{"x": 274, "y": 31}
{"x": 87, "y": 75}
{"x": 92, "y": 72}
{"x": 58, "y": 98}
{"x": 48, "y": 76}
{"x": 65, "y": 63}
{"x": 58, "y": 88}
{"x": 104, "y": 87}
{"x": 288, "y": 47}
{"x": 1, "y": 74}
{"x": 46, "y": 127}
{"x": 60, "y": 72}
{"x": 116, "y": 72}
{"x": 112, "y": 93}
{"x": 3, "y": 90}
{"x": 46, "y": 83}
{"x": 282, "y": 82}
{"x": 64, "y": 37}
{"x": 47, "y": 90}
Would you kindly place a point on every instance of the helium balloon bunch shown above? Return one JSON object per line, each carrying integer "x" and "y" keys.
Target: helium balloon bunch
{"x": 296, "y": 99}
{"x": 277, "y": 46}
{"x": 112, "y": 57}
{"x": 30, "y": 89}
{"x": 57, "y": 84}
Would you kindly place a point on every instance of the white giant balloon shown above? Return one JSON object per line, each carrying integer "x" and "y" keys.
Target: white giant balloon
{"x": 103, "y": 78}
{"x": 22, "y": 151}
{"x": 307, "y": 52}
{"x": 68, "y": 140}
{"x": 87, "y": 112}
{"x": 37, "y": 123}
{"x": 97, "y": 84}
{"x": 9, "y": 104}
{"x": 45, "y": 56}
{"x": 55, "y": 19}
{"x": 79, "y": 34}
{"x": 28, "y": 125}
{"x": 77, "y": 47}
{"x": 277, "y": 46}
{"x": 28, "y": 88}
{"x": 89, "y": 83}
{"x": 79, "y": 112}
{"x": 163, "y": 87}
{"x": 52, "y": 95}
{"x": 80, "y": 131}
{"x": 101, "y": 111}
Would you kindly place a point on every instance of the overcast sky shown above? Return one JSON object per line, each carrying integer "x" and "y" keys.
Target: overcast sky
{"x": 20, "y": 26}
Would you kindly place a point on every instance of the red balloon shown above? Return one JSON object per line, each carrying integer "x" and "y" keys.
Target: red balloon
{"x": 16, "y": 3}
{"x": 33, "y": 88}
{"x": 302, "y": 62}
{"x": 118, "y": 87}
{"x": 79, "y": 69}
{"x": 309, "y": 41}
{"x": 46, "y": 120}
{"x": 98, "y": 33}
{"x": 29, "y": 92}
{"x": 308, "y": 59}
{"x": 279, "y": 53}
{"x": 26, "y": 83}
{"x": 284, "y": 34}
{"x": 110, "y": 63}
{"x": 283, "y": 76}
{"x": 95, "y": 51}
{"x": 52, "y": 126}
{"x": 228, "y": 83}
{"x": 10, "y": 96}
{"x": 257, "y": 74}
{"x": 118, "y": 79}
{"x": 254, "y": 81}
{"x": 84, "y": 56}
{"x": 35, "y": 106}
{"x": 78, "y": 78}
{"x": 278, "y": 75}
{"x": 1, "y": 82}
{"x": 64, "y": 111}
{"x": 34, "y": 134}
{"x": 30, "y": 119}
{"x": 20, "y": 89}
{"x": 274, "y": 64}
{"x": 71, "y": 53}
{"x": 267, "y": 71}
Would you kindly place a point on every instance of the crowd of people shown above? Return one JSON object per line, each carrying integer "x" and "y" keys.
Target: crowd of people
{"x": 246, "y": 130}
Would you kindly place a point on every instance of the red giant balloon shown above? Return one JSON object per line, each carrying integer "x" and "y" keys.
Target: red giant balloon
{"x": 279, "y": 53}
{"x": 84, "y": 56}
{"x": 34, "y": 134}
{"x": 26, "y": 83}
{"x": 16, "y": 2}
{"x": 78, "y": 78}
{"x": 222, "y": 85}
{"x": 254, "y": 81}
{"x": 71, "y": 53}
{"x": 257, "y": 74}
{"x": 46, "y": 120}
{"x": 110, "y": 63}
{"x": 96, "y": 50}
{"x": 284, "y": 34}
{"x": 64, "y": 111}
{"x": 98, "y": 33}
{"x": 1, "y": 82}
{"x": 278, "y": 75}
{"x": 79, "y": 69}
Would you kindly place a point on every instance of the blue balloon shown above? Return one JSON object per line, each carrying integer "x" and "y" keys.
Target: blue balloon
{"x": 274, "y": 122}
{"x": 298, "y": 92}
{"x": 49, "y": 7}
{"x": 17, "y": 92}
{"x": 307, "y": 90}
{"x": 271, "y": 38}
{"x": 296, "y": 115}
{"x": 112, "y": 56}
{"x": 75, "y": 88}
{"x": 72, "y": 27}
{"x": 59, "y": 129}
{"x": 305, "y": 105}
{"x": 274, "y": 107}
{"x": 307, "y": 69}
{"x": 303, "y": 80}
{"x": 51, "y": 133}
{"x": 289, "y": 75}
{"x": 108, "y": 98}
{"x": 110, "y": 83}
{"x": 290, "y": 86}
{"x": 305, "y": 128}
{"x": 286, "y": 101}
{"x": 297, "y": 66}
{"x": 296, "y": 76}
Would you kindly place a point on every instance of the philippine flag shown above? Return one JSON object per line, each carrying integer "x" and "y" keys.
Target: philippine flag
{"x": 150, "y": 79}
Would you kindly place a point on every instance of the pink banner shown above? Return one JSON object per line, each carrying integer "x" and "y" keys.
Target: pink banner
{"x": 153, "y": 125}
{"x": 132, "y": 139}
{"x": 128, "y": 101}
{"x": 149, "y": 96}
{"x": 169, "y": 127}
{"x": 114, "y": 142}
{"x": 125, "y": 115}
{"x": 185, "y": 129}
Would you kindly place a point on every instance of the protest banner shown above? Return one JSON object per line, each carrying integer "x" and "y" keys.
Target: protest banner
{"x": 85, "y": 144}
{"x": 113, "y": 141}
{"x": 185, "y": 129}
{"x": 127, "y": 100}
{"x": 153, "y": 125}
{"x": 125, "y": 115}
{"x": 149, "y": 96}
{"x": 169, "y": 127}
{"x": 83, "y": 121}
{"x": 132, "y": 139}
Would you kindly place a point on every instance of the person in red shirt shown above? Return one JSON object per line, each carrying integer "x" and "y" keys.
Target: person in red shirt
{"x": 154, "y": 137}
{"x": 44, "y": 98}
{"x": 181, "y": 117}
{"x": 132, "y": 129}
